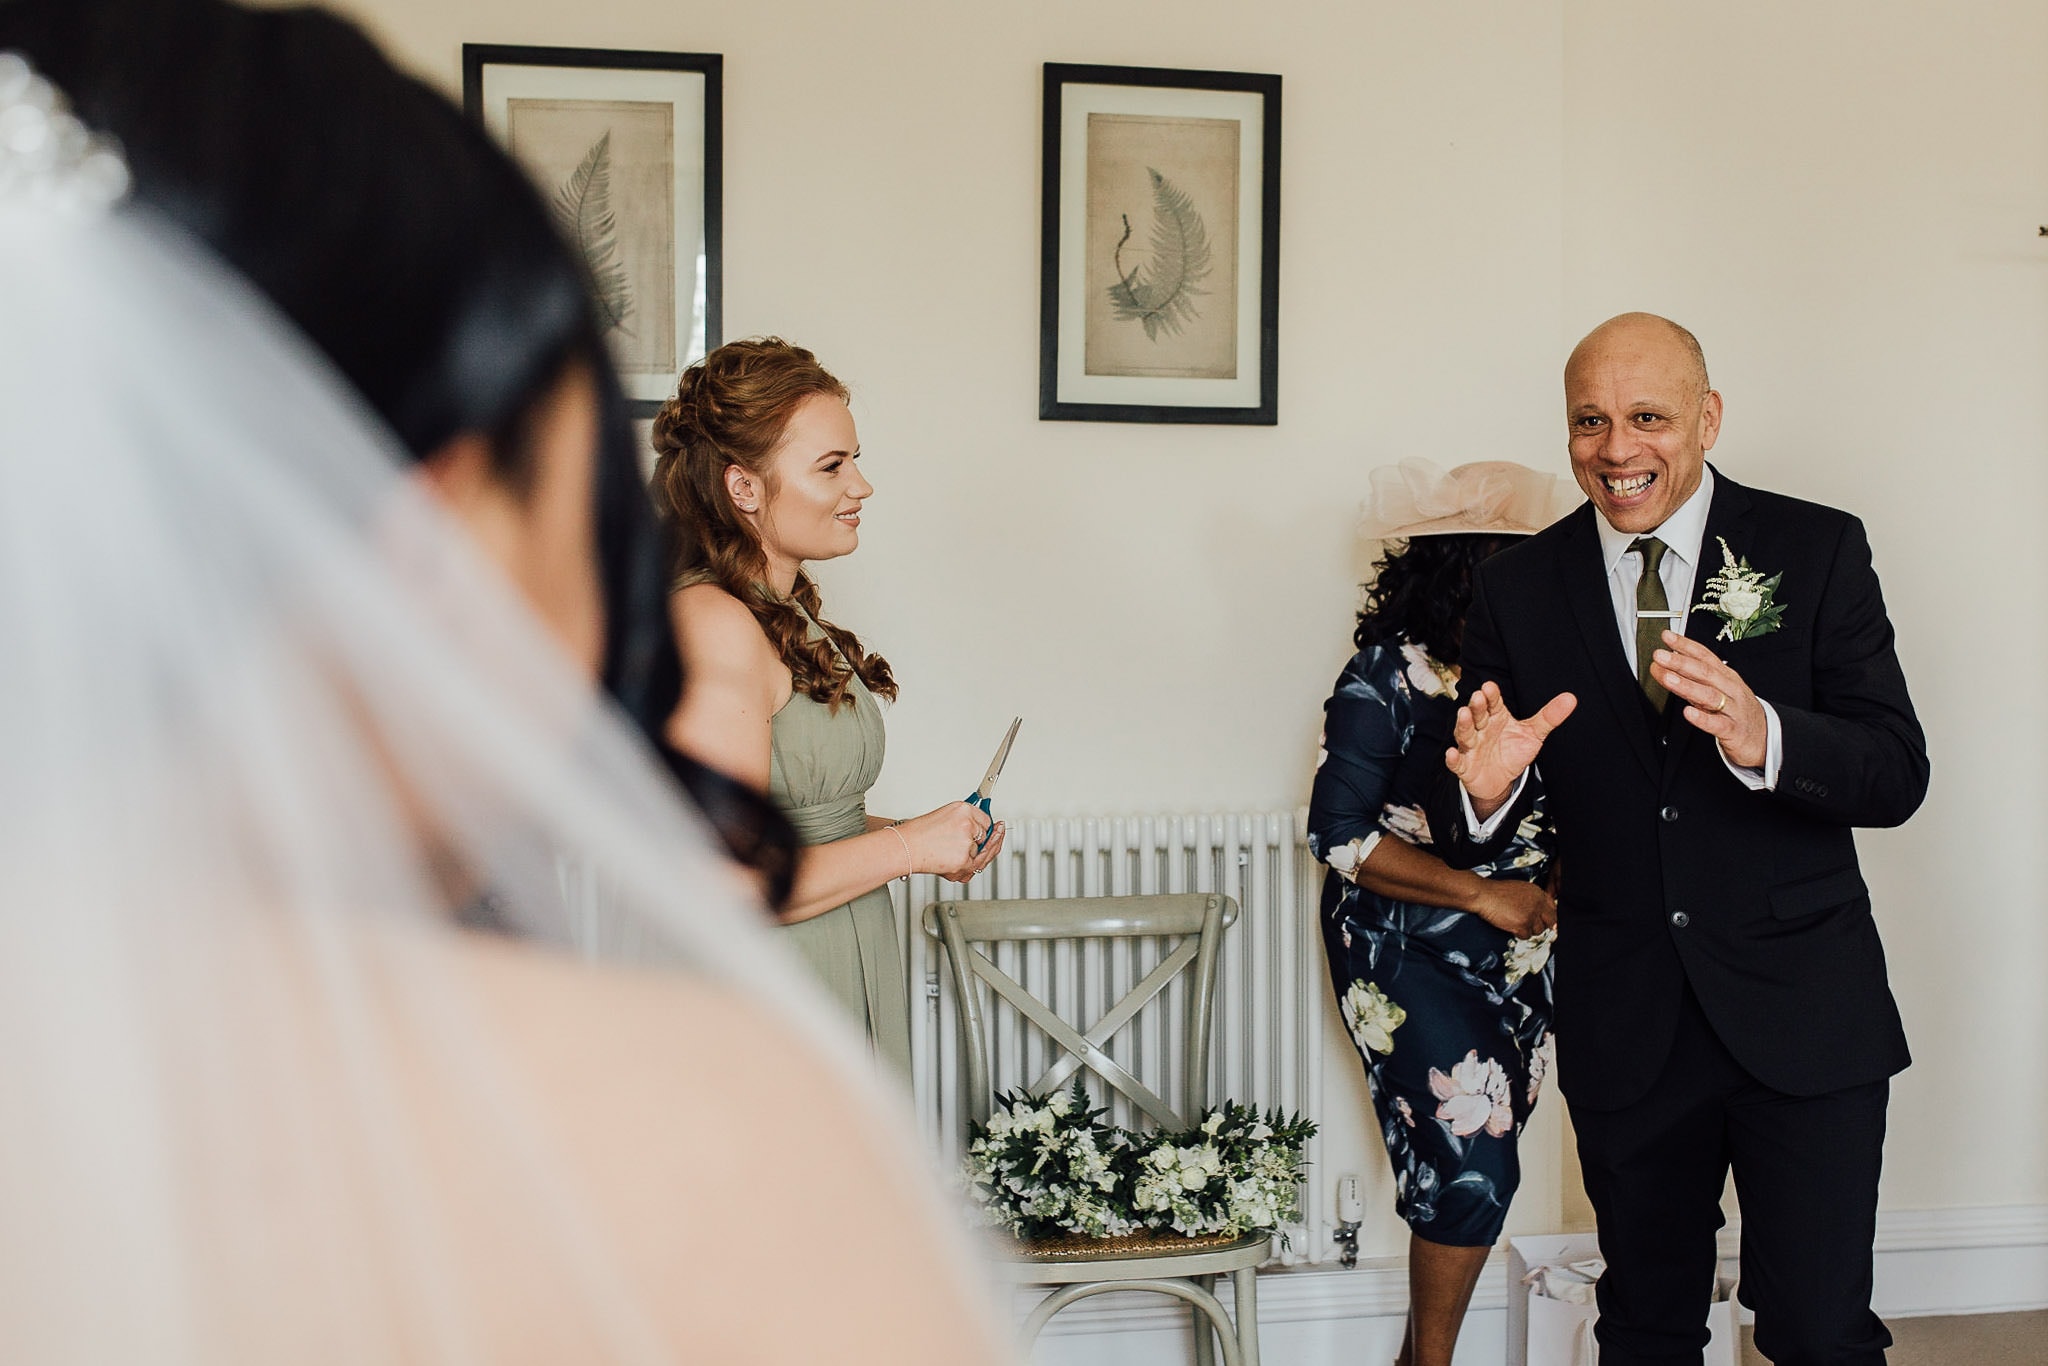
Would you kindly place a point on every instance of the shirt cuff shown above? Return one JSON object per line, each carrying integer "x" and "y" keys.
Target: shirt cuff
{"x": 1763, "y": 779}
{"x": 1482, "y": 831}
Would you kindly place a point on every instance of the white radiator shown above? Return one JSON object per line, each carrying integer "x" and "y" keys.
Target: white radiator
{"x": 1270, "y": 983}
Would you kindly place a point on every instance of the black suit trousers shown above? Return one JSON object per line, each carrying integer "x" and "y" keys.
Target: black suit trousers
{"x": 1806, "y": 1170}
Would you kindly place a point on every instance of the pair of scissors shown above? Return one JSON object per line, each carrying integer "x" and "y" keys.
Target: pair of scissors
{"x": 979, "y": 797}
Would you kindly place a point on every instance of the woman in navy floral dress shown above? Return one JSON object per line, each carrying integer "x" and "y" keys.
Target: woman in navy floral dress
{"x": 1442, "y": 977}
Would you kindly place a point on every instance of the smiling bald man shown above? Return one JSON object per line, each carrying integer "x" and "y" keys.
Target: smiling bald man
{"x": 1721, "y": 993}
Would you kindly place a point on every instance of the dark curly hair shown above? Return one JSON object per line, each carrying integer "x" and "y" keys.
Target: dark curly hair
{"x": 1420, "y": 590}
{"x": 731, "y": 408}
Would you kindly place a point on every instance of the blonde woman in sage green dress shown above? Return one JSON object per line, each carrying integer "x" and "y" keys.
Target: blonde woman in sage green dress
{"x": 757, "y": 474}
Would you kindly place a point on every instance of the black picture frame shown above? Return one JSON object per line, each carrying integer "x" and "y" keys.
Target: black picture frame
{"x": 1068, "y": 391}
{"x": 571, "y": 83}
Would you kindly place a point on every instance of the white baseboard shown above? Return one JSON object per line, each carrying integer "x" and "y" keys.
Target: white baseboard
{"x": 1952, "y": 1261}
{"x": 1962, "y": 1261}
{"x": 1376, "y": 1288}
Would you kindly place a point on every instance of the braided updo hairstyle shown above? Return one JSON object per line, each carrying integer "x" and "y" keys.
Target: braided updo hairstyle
{"x": 732, "y": 408}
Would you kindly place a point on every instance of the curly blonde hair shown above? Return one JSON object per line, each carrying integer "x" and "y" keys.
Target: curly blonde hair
{"x": 732, "y": 408}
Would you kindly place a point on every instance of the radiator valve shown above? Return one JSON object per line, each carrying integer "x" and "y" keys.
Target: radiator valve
{"x": 1350, "y": 1214}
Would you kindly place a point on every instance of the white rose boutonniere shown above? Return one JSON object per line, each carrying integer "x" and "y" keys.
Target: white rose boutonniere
{"x": 1744, "y": 600}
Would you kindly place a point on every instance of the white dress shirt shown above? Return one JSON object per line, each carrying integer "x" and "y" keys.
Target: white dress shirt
{"x": 1683, "y": 533}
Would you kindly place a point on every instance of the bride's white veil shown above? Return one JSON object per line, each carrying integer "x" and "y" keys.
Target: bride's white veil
{"x": 265, "y": 721}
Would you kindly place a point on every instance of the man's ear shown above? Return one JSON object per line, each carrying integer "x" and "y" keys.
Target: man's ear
{"x": 1710, "y": 419}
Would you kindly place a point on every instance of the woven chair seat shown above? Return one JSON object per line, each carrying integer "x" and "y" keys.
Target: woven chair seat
{"x": 1151, "y": 1242}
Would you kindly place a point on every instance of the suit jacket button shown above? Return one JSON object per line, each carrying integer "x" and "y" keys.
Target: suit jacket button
{"x": 1668, "y": 814}
{"x": 1680, "y": 919}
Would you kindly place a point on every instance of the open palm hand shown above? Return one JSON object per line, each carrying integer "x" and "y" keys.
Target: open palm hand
{"x": 1494, "y": 748}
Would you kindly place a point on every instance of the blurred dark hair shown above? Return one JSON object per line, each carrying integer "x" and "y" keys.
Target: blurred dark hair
{"x": 1420, "y": 591}
{"x": 408, "y": 247}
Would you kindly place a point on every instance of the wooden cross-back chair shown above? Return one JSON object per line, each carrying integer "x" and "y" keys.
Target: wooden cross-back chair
{"x": 1163, "y": 1262}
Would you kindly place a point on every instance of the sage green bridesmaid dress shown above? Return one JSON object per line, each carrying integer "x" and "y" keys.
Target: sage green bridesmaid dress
{"x": 821, "y": 764}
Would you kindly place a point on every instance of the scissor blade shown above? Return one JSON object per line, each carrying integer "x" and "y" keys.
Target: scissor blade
{"x": 995, "y": 768}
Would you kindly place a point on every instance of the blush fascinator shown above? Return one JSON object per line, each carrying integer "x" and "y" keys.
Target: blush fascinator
{"x": 1485, "y": 497}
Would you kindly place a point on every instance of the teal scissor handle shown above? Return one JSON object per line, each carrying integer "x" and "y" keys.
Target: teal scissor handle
{"x": 975, "y": 799}
{"x": 978, "y": 798}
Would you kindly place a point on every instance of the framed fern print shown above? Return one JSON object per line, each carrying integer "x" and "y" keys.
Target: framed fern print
{"x": 1160, "y": 248}
{"x": 625, "y": 145}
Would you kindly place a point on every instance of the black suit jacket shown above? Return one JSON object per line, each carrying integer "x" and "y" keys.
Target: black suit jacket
{"x": 1671, "y": 870}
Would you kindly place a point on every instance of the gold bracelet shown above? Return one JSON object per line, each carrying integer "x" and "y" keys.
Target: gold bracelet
{"x": 909, "y": 864}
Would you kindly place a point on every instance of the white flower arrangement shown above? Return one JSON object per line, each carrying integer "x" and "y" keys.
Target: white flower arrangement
{"x": 1744, "y": 600}
{"x": 1371, "y": 1017}
{"x": 1234, "y": 1172}
{"x": 1041, "y": 1171}
{"x": 1044, "y": 1164}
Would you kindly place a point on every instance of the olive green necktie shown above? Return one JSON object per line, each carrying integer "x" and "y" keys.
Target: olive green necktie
{"x": 1653, "y": 616}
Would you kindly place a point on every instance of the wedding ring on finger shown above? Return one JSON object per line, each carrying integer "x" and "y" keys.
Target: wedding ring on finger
{"x": 1721, "y": 705}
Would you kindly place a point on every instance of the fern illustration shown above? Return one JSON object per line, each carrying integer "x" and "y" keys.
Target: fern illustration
{"x": 1161, "y": 294}
{"x": 583, "y": 209}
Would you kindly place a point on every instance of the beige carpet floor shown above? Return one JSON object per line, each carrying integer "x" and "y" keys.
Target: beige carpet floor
{"x": 1975, "y": 1340}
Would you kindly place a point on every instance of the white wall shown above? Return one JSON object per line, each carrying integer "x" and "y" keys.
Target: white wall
{"x": 1839, "y": 197}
